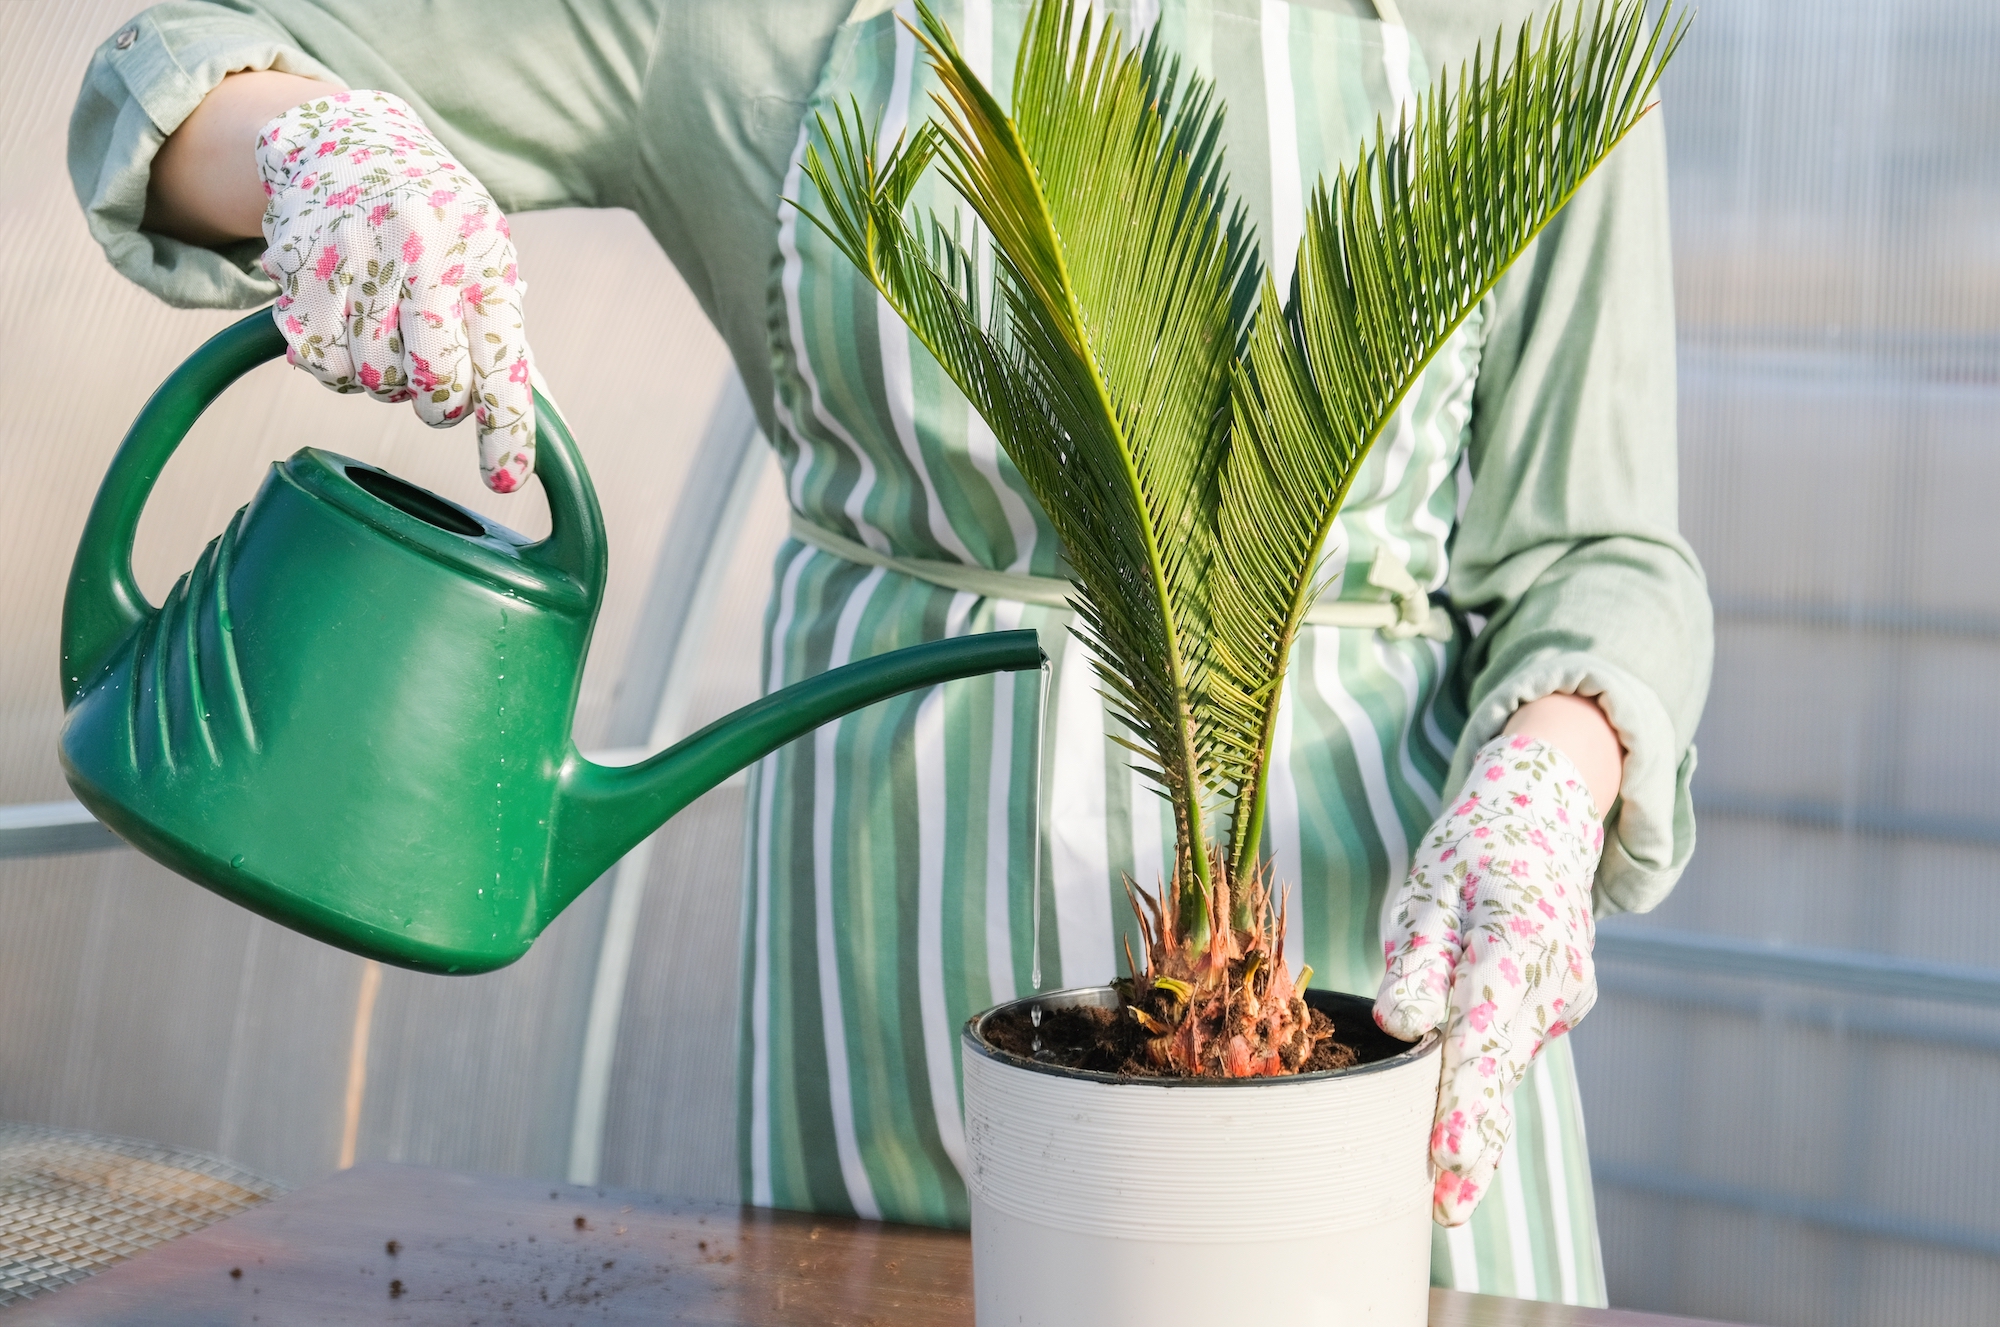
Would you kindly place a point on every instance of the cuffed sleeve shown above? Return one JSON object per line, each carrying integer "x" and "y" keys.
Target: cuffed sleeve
{"x": 537, "y": 100}
{"x": 142, "y": 83}
{"x": 1569, "y": 545}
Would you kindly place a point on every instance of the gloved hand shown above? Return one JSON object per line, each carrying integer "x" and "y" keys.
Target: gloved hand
{"x": 397, "y": 274}
{"x": 1491, "y": 936}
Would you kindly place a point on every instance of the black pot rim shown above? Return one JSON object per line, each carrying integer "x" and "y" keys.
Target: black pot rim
{"x": 1328, "y": 1002}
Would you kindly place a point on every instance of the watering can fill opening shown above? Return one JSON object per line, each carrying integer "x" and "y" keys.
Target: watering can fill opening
{"x": 352, "y": 715}
{"x": 423, "y": 504}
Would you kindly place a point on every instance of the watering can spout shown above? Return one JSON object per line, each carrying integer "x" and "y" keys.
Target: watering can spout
{"x": 352, "y": 715}
{"x": 603, "y": 811}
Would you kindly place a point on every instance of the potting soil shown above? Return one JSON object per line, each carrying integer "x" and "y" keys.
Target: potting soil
{"x": 1107, "y": 1041}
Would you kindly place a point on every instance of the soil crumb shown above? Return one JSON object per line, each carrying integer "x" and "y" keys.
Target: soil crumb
{"x": 1103, "y": 1041}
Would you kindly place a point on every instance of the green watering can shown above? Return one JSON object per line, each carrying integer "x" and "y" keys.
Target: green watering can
{"x": 353, "y": 715}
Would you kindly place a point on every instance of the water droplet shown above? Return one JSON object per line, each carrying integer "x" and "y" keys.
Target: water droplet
{"x": 236, "y": 862}
{"x": 1035, "y": 1016}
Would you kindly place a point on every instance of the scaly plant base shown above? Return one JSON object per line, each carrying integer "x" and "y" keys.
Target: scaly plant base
{"x": 1228, "y": 1008}
{"x": 1224, "y": 1008}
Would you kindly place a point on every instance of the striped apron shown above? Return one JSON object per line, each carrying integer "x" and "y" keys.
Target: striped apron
{"x": 891, "y": 856}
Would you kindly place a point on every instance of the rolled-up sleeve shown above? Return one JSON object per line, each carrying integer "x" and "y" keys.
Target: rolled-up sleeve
{"x": 537, "y": 99}
{"x": 142, "y": 82}
{"x": 1569, "y": 545}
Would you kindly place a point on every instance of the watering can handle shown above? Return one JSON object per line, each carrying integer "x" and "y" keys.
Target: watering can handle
{"x": 104, "y": 603}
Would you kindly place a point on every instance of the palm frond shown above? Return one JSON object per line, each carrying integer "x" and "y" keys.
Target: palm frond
{"x": 1103, "y": 364}
{"x": 1396, "y": 254}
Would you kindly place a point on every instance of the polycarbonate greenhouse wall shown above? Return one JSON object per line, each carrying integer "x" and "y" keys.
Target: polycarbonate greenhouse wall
{"x": 1792, "y": 1072}
{"x": 1822, "y": 1152}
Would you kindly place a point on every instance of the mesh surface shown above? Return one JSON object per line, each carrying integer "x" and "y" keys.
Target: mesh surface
{"x": 71, "y": 1204}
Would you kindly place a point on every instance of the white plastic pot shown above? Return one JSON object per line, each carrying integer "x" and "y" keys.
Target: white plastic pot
{"x": 1106, "y": 1201}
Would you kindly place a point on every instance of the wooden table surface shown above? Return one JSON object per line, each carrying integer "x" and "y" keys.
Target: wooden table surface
{"x": 476, "y": 1251}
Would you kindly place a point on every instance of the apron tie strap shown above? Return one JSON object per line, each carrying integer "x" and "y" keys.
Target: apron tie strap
{"x": 1409, "y": 611}
{"x": 1415, "y": 614}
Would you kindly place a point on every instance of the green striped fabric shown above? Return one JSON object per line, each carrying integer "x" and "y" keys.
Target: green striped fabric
{"x": 891, "y": 856}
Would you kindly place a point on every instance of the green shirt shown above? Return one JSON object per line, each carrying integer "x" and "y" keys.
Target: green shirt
{"x": 686, "y": 111}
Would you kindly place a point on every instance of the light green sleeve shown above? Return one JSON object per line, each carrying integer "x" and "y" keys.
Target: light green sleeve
{"x": 537, "y": 99}
{"x": 1569, "y": 544}
{"x": 724, "y": 114}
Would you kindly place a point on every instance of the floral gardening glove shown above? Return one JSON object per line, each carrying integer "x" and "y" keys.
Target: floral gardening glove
{"x": 1490, "y": 937}
{"x": 397, "y": 274}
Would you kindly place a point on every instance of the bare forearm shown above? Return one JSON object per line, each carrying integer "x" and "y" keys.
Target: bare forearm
{"x": 1575, "y": 726}
{"x": 204, "y": 187}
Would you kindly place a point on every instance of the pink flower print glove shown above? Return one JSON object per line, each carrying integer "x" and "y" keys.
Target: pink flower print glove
{"x": 396, "y": 273}
{"x": 1490, "y": 937}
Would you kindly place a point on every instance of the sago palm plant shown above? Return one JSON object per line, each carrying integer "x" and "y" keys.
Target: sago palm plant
{"x": 1190, "y": 432}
